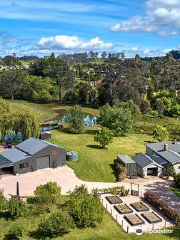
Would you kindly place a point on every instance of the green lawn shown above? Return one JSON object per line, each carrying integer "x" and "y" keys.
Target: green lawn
{"x": 95, "y": 164}
{"x": 107, "y": 230}
{"x": 175, "y": 189}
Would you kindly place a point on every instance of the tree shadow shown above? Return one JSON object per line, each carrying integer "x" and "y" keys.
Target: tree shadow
{"x": 37, "y": 234}
{"x": 94, "y": 146}
{"x": 114, "y": 170}
{"x": 6, "y": 216}
{"x": 91, "y": 131}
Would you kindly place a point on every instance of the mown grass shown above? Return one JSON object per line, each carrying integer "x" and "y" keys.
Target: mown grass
{"x": 96, "y": 164}
{"x": 175, "y": 189}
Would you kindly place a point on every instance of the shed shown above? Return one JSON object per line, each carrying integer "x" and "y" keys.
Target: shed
{"x": 45, "y": 135}
{"x": 127, "y": 162}
{"x": 31, "y": 155}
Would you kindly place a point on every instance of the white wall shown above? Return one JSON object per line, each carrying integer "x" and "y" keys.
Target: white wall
{"x": 177, "y": 168}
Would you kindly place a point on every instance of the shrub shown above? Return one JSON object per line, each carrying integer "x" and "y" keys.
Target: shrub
{"x": 16, "y": 207}
{"x": 121, "y": 171}
{"x": 163, "y": 207}
{"x": 113, "y": 190}
{"x": 160, "y": 133}
{"x": 15, "y": 232}
{"x": 177, "y": 179}
{"x": 2, "y": 200}
{"x": 58, "y": 224}
{"x": 75, "y": 119}
{"x": 104, "y": 137}
{"x": 85, "y": 209}
{"x": 47, "y": 195}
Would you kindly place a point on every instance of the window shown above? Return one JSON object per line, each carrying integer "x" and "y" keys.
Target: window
{"x": 23, "y": 165}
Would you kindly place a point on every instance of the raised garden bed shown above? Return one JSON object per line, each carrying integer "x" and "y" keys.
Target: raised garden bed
{"x": 151, "y": 217}
{"x": 134, "y": 220}
{"x": 123, "y": 209}
{"x": 139, "y": 207}
{"x": 114, "y": 199}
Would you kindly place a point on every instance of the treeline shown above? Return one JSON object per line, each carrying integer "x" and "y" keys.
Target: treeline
{"x": 154, "y": 86}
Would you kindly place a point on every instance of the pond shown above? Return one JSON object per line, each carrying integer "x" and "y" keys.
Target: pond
{"x": 89, "y": 120}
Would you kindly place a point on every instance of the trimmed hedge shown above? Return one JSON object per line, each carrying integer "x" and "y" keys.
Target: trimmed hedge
{"x": 163, "y": 207}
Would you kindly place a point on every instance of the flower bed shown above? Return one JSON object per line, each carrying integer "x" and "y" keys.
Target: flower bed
{"x": 151, "y": 217}
{"x": 123, "y": 209}
{"x": 114, "y": 199}
{"x": 139, "y": 207}
{"x": 134, "y": 220}
{"x": 163, "y": 207}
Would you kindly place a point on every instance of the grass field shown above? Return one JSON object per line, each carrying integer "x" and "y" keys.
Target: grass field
{"x": 175, "y": 189}
{"x": 95, "y": 164}
{"x": 107, "y": 230}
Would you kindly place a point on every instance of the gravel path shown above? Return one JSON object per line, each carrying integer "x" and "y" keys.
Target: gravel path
{"x": 67, "y": 180}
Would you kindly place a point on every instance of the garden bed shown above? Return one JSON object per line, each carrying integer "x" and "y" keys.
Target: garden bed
{"x": 114, "y": 199}
{"x": 151, "y": 217}
{"x": 123, "y": 209}
{"x": 139, "y": 207}
{"x": 134, "y": 220}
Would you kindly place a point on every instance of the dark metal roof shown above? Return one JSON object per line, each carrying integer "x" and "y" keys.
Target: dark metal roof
{"x": 159, "y": 159}
{"x": 125, "y": 159}
{"x": 23, "y": 150}
{"x": 4, "y": 161}
{"x": 144, "y": 160}
{"x": 14, "y": 155}
{"x": 171, "y": 155}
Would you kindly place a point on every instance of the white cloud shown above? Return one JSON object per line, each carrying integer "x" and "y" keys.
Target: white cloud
{"x": 162, "y": 17}
{"x": 64, "y": 42}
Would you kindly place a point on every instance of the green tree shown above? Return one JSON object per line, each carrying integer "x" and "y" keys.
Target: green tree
{"x": 25, "y": 121}
{"x": 160, "y": 133}
{"x": 4, "y": 117}
{"x": 85, "y": 209}
{"x": 104, "y": 137}
{"x": 47, "y": 195}
{"x": 160, "y": 106}
{"x": 117, "y": 119}
{"x": 58, "y": 224}
{"x": 145, "y": 106}
{"x": 75, "y": 119}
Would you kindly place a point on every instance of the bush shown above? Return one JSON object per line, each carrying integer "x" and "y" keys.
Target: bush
{"x": 104, "y": 137}
{"x": 160, "y": 133}
{"x": 2, "y": 200}
{"x": 114, "y": 190}
{"x": 15, "y": 232}
{"x": 121, "y": 171}
{"x": 85, "y": 209}
{"x": 177, "y": 179}
{"x": 163, "y": 207}
{"x": 58, "y": 224}
{"x": 17, "y": 208}
{"x": 47, "y": 195}
{"x": 75, "y": 119}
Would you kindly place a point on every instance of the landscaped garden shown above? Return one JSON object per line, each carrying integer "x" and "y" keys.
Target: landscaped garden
{"x": 139, "y": 206}
{"x": 134, "y": 220}
{"x": 151, "y": 217}
{"x": 123, "y": 209}
{"x": 114, "y": 199}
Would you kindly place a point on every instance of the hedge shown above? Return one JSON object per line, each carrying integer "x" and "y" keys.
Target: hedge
{"x": 163, "y": 207}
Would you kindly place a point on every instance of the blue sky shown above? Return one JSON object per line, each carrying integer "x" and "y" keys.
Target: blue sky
{"x": 39, "y": 27}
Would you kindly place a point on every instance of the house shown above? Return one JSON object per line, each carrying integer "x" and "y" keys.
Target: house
{"x": 127, "y": 162}
{"x": 146, "y": 166}
{"x": 165, "y": 153}
{"x": 31, "y": 155}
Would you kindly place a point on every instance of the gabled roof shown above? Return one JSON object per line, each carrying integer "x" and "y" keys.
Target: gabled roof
{"x": 144, "y": 160}
{"x": 158, "y": 159}
{"x": 171, "y": 155}
{"x": 125, "y": 159}
{"x": 23, "y": 150}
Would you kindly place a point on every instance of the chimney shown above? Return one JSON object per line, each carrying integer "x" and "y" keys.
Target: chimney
{"x": 175, "y": 141}
{"x": 165, "y": 147}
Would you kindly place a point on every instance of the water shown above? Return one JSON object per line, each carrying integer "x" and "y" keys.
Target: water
{"x": 89, "y": 121}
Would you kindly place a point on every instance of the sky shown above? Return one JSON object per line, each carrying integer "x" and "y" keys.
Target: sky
{"x": 40, "y": 27}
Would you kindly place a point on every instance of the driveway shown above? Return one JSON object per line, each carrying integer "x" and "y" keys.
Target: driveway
{"x": 67, "y": 180}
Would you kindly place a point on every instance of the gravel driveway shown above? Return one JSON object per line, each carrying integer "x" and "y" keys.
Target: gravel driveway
{"x": 67, "y": 180}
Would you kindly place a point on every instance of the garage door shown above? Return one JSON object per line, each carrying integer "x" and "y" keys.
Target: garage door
{"x": 43, "y": 162}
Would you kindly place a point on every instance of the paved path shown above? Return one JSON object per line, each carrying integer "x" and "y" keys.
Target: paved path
{"x": 66, "y": 178}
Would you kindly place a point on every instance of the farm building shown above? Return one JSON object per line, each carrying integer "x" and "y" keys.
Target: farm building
{"x": 31, "y": 155}
{"x": 127, "y": 162}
